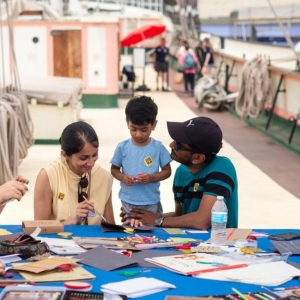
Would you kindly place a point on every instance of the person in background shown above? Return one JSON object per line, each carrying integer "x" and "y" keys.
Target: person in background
{"x": 208, "y": 62}
{"x": 74, "y": 189}
{"x": 190, "y": 71}
{"x": 141, "y": 162}
{"x": 200, "y": 56}
{"x": 161, "y": 65}
{"x": 201, "y": 176}
{"x": 13, "y": 189}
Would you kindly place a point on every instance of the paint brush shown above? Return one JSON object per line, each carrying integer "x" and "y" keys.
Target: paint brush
{"x": 102, "y": 217}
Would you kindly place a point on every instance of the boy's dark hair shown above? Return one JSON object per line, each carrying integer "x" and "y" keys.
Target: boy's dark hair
{"x": 141, "y": 110}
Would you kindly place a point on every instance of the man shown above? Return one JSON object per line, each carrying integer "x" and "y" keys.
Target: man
{"x": 201, "y": 177}
{"x": 161, "y": 65}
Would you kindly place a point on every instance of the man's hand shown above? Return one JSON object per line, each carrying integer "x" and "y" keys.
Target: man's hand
{"x": 145, "y": 217}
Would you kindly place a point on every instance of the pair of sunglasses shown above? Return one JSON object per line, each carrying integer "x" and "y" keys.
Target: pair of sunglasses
{"x": 83, "y": 184}
{"x": 178, "y": 146}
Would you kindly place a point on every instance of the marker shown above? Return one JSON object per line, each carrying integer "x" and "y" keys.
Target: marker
{"x": 287, "y": 288}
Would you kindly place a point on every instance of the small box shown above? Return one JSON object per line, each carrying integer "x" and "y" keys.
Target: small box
{"x": 47, "y": 226}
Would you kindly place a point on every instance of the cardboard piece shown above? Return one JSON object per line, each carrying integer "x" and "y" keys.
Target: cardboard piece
{"x": 107, "y": 227}
{"x": 77, "y": 273}
{"x": 233, "y": 234}
{"x": 47, "y": 264}
{"x": 104, "y": 259}
{"x": 109, "y": 243}
{"x": 47, "y": 226}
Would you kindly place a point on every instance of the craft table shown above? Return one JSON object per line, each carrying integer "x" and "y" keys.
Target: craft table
{"x": 185, "y": 285}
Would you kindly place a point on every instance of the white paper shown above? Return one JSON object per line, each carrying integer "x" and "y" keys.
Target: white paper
{"x": 195, "y": 231}
{"x": 6, "y": 259}
{"x": 136, "y": 287}
{"x": 271, "y": 274}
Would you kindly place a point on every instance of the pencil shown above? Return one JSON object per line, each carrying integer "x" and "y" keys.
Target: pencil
{"x": 240, "y": 294}
{"x": 270, "y": 292}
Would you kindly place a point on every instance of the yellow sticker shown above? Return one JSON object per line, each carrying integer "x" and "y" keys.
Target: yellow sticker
{"x": 148, "y": 161}
{"x": 196, "y": 185}
{"x": 61, "y": 196}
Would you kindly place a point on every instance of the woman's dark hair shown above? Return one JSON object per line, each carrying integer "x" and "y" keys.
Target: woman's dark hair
{"x": 76, "y": 135}
{"x": 141, "y": 110}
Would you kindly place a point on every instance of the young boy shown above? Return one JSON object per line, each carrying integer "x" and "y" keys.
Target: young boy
{"x": 141, "y": 162}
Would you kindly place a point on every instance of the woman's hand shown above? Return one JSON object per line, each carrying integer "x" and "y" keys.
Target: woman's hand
{"x": 83, "y": 209}
{"x": 13, "y": 189}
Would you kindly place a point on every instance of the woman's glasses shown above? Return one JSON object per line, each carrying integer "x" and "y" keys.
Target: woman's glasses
{"x": 83, "y": 184}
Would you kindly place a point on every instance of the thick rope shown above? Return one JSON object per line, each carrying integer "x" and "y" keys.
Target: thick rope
{"x": 254, "y": 88}
{"x": 16, "y": 133}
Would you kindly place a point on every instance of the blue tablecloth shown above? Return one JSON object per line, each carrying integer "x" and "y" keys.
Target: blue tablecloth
{"x": 185, "y": 285}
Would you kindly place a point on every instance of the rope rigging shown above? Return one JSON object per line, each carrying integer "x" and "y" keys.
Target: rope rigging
{"x": 16, "y": 127}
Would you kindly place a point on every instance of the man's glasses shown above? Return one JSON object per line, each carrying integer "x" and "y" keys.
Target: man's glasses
{"x": 178, "y": 146}
{"x": 83, "y": 184}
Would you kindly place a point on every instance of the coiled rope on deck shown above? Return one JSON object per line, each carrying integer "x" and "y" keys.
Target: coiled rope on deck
{"x": 254, "y": 88}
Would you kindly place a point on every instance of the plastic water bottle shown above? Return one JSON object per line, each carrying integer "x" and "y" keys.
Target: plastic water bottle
{"x": 219, "y": 214}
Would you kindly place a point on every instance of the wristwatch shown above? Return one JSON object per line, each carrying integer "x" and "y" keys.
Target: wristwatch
{"x": 158, "y": 222}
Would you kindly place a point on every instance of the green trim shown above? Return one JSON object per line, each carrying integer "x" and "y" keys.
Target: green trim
{"x": 99, "y": 101}
{"x": 279, "y": 129}
{"x": 46, "y": 142}
{"x": 130, "y": 50}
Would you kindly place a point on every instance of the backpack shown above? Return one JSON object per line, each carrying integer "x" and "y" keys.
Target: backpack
{"x": 188, "y": 62}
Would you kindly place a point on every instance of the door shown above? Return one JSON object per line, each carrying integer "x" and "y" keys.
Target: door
{"x": 67, "y": 53}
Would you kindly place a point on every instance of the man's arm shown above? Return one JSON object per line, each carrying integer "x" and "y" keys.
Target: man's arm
{"x": 200, "y": 219}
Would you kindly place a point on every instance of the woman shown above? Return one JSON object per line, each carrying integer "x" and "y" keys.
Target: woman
{"x": 208, "y": 57}
{"x": 73, "y": 189}
{"x": 189, "y": 69}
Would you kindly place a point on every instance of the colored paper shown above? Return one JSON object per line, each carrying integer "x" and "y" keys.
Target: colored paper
{"x": 174, "y": 231}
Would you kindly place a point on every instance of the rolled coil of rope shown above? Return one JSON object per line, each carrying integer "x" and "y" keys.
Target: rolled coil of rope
{"x": 254, "y": 88}
{"x": 16, "y": 133}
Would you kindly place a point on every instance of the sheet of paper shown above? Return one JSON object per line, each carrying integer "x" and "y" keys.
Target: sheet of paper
{"x": 4, "y": 232}
{"x": 58, "y": 242}
{"x": 104, "y": 259}
{"x": 195, "y": 231}
{"x": 174, "y": 231}
{"x": 183, "y": 239}
{"x": 7, "y": 259}
{"x": 141, "y": 255}
{"x": 287, "y": 247}
{"x": 269, "y": 274}
{"x": 233, "y": 234}
{"x": 137, "y": 287}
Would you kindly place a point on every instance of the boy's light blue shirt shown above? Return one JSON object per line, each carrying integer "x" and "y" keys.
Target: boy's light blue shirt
{"x": 134, "y": 160}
